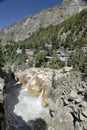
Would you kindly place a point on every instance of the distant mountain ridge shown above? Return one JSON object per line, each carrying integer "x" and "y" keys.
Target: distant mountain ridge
{"x": 26, "y": 27}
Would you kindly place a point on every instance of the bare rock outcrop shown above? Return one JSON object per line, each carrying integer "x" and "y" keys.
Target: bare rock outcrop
{"x": 72, "y": 92}
{"x": 27, "y": 105}
{"x": 38, "y": 105}
{"x": 24, "y": 29}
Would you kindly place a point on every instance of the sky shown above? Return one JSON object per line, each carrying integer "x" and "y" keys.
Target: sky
{"x": 12, "y": 11}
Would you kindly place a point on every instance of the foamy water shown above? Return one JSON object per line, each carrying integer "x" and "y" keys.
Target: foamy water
{"x": 29, "y": 107}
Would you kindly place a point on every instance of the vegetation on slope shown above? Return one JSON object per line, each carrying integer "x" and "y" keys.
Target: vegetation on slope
{"x": 78, "y": 60}
{"x": 71, "y": 34}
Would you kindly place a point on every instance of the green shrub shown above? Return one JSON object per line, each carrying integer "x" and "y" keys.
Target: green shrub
{"x": 78, "y": 60}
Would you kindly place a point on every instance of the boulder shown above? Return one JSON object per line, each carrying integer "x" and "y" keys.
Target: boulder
{"x": 82, "y": 117}
{"x": 80, "y": 89}
{"x": 1, "y": 92}
{"x": 66, "y": 102}
{"x": 63, "y": 120}
{"x": 83, "y": 104}
{"x": 35, "y": 86}
{"x": 84, "y": 112}
{"x": 78, "y": 99}
{"x": 68, "y": 69}
{"x": 77, "y": 126}
{"x": 73, "y": 95}
{"x": 1, "y": 87}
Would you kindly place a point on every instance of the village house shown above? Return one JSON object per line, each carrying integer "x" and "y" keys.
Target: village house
{"x": 62, "y": 55}
{"x": 29, "y": 53}
{"x": 19, "y": 51}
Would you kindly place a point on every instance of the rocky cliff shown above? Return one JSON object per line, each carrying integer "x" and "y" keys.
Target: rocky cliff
{"x": 28, "y": 26}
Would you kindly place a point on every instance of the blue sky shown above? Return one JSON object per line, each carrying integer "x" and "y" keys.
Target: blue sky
{"x": 12, "y": 11}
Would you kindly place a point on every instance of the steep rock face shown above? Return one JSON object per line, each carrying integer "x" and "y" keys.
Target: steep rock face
{"x": 29, "y": 25}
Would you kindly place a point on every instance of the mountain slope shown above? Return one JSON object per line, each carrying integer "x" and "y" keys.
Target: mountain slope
{"x": 69, "y": 34}
{"x": 29, "y": 25}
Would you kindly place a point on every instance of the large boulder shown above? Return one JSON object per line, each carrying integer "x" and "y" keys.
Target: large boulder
{"x": 62, "y": 120}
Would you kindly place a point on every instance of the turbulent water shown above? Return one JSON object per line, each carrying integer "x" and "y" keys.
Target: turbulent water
{"x": 31, "y": 105}
{"x": 24, "y": 111}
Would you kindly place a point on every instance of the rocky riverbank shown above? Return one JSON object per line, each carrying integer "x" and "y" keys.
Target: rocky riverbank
{"x": 71, "y": 92}
{"x": 45, "y": 99}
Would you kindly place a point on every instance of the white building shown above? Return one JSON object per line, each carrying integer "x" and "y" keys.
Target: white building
{"x": 19, "y": 51}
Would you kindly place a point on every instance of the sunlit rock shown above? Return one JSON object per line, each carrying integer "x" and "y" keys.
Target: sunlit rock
{"x": 27, "y": 104}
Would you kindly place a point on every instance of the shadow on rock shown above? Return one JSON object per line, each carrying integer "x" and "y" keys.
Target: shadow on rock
{"x": 13, "y": 121}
